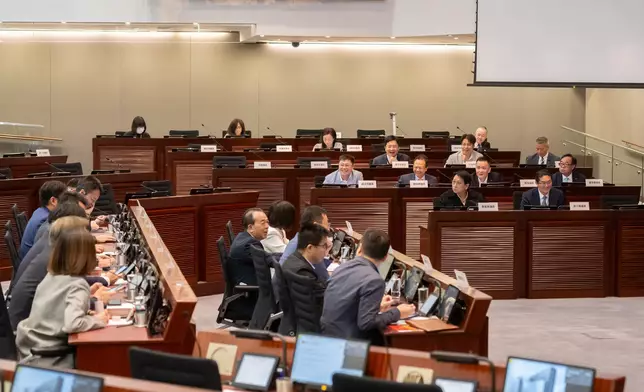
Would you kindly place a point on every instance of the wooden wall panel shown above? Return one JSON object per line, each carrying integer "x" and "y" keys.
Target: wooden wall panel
{"x": 630, "y": 259}
{"x": 362, "y": 215}
{"x": 270, "y": 189}
{"x": 137, "y": 159}
{"x": 177, "y": 228}
{"x": 416, "y": 215}
{"x": 192, "y": 175}
{"x": 305, "y": 192}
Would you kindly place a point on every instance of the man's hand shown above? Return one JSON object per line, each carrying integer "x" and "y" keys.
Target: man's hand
{"x": 104, "y": 294}
{"x": 101, "y": 221}
{"x": 103, "y": 316}
{"x": 386, "y": 303}
{"x": 100, "y": 248}
{"x": 406, "y": 310}
{"x": 95, "y": 287}
{"x": 104, "y": 261}
{"x": 105, "y": 238}
{"x": 112, "y": 277}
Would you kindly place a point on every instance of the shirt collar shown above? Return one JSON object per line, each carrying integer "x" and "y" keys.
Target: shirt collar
{"x": 301, "y": 257}
{"x": 482, "y": 180}
{"x": 364, "y": 260}
{"x": 564, "y": 176}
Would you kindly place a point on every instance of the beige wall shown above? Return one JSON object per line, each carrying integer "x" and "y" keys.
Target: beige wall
{"x": 79, "y": 89}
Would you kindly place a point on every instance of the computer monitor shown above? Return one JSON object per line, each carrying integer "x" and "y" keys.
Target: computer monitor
{"x": 412, "y": 282}
{"x": 524, "y": 374}
{"x": 317, "y": 358}
{"x": 255, "y": 372}
{"x": 454, "y": 385}
{"x": 29, "y": 378}
{"x": 385, "y": 267}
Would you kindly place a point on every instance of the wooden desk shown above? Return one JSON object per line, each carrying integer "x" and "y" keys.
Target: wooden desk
{"x": 21, "y": 166}
{"x": 380, "y": 358}
{"x": 190, "y": 227}
{"x": 24, "y": 192}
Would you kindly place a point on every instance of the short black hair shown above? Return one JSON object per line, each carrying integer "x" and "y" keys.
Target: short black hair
{"x": 281, "y": 215}
{"x": 375, "y": 244}
{"x": 50, "y": 189}
{"x": 574, "y": 160}
{"x": 311, "y": 234}
{"x": 542, "y": 173}
{"x": 483, "y": 158}
{"x": 391, "y": 138}
{"x": 311, "y": 215}
{"x": 73, "y": 183}
{"x": 138, "y": 121}
{"x": 249, "y": 218}
{"x": 347, "y": 157}
{"x": 89, "y": 184}
{"x": 422, "y": 157}
{"x": 72, "y": 197}
{"x": 465, "y": 176}
{"x": 66, "y": 208}
{"x": 469, "y": 137}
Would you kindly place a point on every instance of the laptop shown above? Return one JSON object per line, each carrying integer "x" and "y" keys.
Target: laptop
{"x": 30, "y": 378}
{"x": 523, "y": 374}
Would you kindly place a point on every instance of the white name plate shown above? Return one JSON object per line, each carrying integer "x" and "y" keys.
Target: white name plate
{"x": 338, "y": 135}
{"x": 418, "y": 184}
{"x": 354, "y": 147}
{"x": 42, "y": 152}
{"x": 284, "y": 148}
{"x": 579, "y": 206}
{"x": 417, "y": 147}
{"x": 557, "y": 164}
{"x": 367, "y": 184}
{"x": 427, "y": 263}
{"x": 528, "y": 183}
{"x": 461, "y": 278}
{"x": 261, "y": 165}
{"x": 470, "y": 164}
{"x": 456, "y": 147}
{"x": 349, "y": 228}
{"x": 319, "y": 165}
{"x": 594, "y": 182}
{"x": 489, "y": 206}
{"x": 209, "y": 148}
{"x": 400, "y": 165}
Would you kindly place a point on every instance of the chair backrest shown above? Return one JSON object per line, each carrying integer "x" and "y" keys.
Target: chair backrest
{"x": 301, "y": 289}
{"x": 287, "y": 325}
{"x": 18, "y": 222}
{"x": 230, "y": 233}
{"x": 364, "y": 133}
{"x": 229, "y": 161}
{"x": 21, "y": 223}
{"x": 184, "y": 132}
{"x": 74, "y": 168}
{"x": 516, "y": 199}
{"x": 106, "y": 204}
{"x": 159, "y": 186}
{"x": 174, "y": 369}
{"x": 223, "y": 259}
{"x": 263, "y": 263}
{"x": 5, "y": 173}
{"x": 11, "y": 246}
{"x": 305, "y": 163}
{"x": 7, "y": 337}
{"x": 608, "y": 201}
{"x": 435, "y": 134}
{"x": 309, "y": 133}
{"x": 347, "y": 383}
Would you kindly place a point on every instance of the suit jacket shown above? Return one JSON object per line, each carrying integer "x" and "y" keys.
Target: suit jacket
{"x": 491, "y": 177}
{"x": 532, "y": 197}
{"x": 240, "y": 261}
{"x": 406, "y": 178}
{"x": 296, "y": 264}
{"x": 382, "y": 159}
{"x": 484, "y": 146}
{"x": 557, "y": 178}
{"x": 534, "y": 160}
{"x": 144, "y": 135}
{"x": 450, "y": 199}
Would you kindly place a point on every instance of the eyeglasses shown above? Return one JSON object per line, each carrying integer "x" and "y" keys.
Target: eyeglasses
{"x": 545, "y": 182}
{"x": 562, "y": 164}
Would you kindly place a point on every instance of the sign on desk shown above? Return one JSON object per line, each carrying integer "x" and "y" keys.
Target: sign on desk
{"x": 319, "y": 165}
{"x": 354, "y": 147}
{"x": 349, "y": 228}
{"x": 461, "y": 278}
{"x": 417, "y": 147}
{"x": 284, "y": 148}
{"x": 427, "y": 264}
{"x": 528, "y": 183}
{"x": 470, "y": 164}
{"x": 262, "y": 164}
{"x": 594, "y": 182}
{"x": 400, "y": 165}
{"x": 456, "y": 147}
{"x": 367, "y": 184}
{"x": 579, "y": 206}
{"x": 418, "y": 184}
{"x": 44, "y": 152}
{"x": 488, "y": 206}
{"x": 208, "y": 148}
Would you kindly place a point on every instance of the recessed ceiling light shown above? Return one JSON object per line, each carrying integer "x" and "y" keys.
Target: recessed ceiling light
{"x": 262, "y": 35}
{"x": 127, "y": 23}
{"x": 63, "y": 22}
{"x": 392, "y": 37}
{"x": 455, "y": 37}
{"x": 327, "y": 36}
{"x": 449, "y": 35}
{"x": 195, "y": 23}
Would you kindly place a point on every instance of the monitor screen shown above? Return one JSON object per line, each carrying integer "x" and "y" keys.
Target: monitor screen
{"x": 531, "y": 375}
{"x": 317, "y": 358}
{"x": 256, "y": 371}
{"x": 451, "y": 385}
{"x": 386, "y": 266}
{"x": 429, "y": 306}
{"x": 29, "y": 378}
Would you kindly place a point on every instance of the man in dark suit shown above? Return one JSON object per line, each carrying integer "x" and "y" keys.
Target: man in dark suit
{"x": 391, "y": 153}
{"x": 484, "y": 173}
{"x": 544, "y": 194}
{"x": 240, "y": 260}
{"x": 567, "y": 173}
{"x": 481, "y": 139}
{"x": 542, "y": 156}
{"x": 421, "y": 162}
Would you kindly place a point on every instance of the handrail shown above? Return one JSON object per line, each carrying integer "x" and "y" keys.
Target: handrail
{"x": 22, "y": 125}
{"x": 602, "y": 140}
{"x": 30, "y": 138}
{"x": 604, "y": 154}
{"x": 632, "y": 144}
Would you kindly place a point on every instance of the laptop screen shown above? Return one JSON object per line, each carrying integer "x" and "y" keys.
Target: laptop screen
{"x": 524, "y": 374}
{"x": 451, "y": 385}
{"x": 386, "y": 266}
{"x": 317, "y": 358}
{"x": 29, "y": 378}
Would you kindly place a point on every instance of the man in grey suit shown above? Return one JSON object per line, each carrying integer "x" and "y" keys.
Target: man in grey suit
{"x": 391, "y": 153}
{"x": 421, "y": 162}
{"x": 542, "y": 157}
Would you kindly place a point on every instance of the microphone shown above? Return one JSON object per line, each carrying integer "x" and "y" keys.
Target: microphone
{"x": 213, "y": 138}
{"x": 100, "y": 211}
{"x": 58, "y": 170}
{"x": 460, "y": 130}
{"x": 444, "y": 175}
{"x": 149, "y": 189}
{"x": 520, "y": 177}
{"x": 401, "y": 131}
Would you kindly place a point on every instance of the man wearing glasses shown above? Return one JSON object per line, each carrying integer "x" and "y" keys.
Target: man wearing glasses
{"x": 544, "y": 194}
{"x": 567, "y": 173}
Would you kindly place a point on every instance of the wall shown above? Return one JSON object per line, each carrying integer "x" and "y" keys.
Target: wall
{"x": 79, "y": 89}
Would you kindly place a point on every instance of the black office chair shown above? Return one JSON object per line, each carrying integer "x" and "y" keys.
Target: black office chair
{"x": 5, "y": 173}
{"x": 347, "y": 383}
{"x": 305, "y": 163}
{"x": 106, "y": 203}
{"x": 164, "y": 186}
{"x": 516, "y": 199}
{"x": 308, "y": 133}
{"x": 609, "y": 201}
{"x": 7, "y": 338}
{"x": 238, "y": 302}
{"x": 301, "y": 290}
{"x": 13, "y": 155}
{"x": 20, "y": 219}
{"x": 247, "y": 134}
{"x": 435, "y": 134}
{"x": 287, "y": 324}
{"x": 266, "y": 313}
{"x": 370, "y": 133}
{"x": 229, "y": 161}
{"x": 174, "y": 369}
{"x": 183, "y": 133}
{"x": 11, "y": 247}
{"x": 378, "y": 147}
{"x": 230, "y": 233}
{"x": 74, "y": 168}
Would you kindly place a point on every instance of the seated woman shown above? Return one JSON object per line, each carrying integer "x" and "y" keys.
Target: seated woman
{"x": 236, "y": 128}
{"x": 345, "y": 175}
{"x": 138, "y": 129}
{"x": 328, "y": 141}
{"x": 467, "y": 153}
{"x": 62, "y": 300}
{"x": 281, "y": 216}
{"x": 460, "y": 195}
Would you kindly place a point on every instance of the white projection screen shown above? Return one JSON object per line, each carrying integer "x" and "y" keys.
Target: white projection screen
{"x": 560, "y": 42}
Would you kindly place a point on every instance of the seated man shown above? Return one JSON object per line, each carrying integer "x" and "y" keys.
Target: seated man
{"x": 567, "y": 173}
{"x": 48, "y": 194}
{"x": 421, "y": 163}
{"x": 542, "y": 156}
{"x": 481, "y": 139}
{"x": 484, "y": 173}
{"x": 391, "y": 153}
{"x": 354, "y": 301}
{"x": 312, "y": 247}
{"x": 544, "y": 194}
{"x": 345, "y": 175}
{"x": 240, "y": 260}
{"x": 91, "y": 189}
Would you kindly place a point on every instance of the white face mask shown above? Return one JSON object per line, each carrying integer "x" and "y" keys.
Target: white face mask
{"x": 140, "y": 130}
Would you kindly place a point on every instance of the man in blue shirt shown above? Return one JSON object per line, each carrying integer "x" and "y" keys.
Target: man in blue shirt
{"x": 48, "y": 194}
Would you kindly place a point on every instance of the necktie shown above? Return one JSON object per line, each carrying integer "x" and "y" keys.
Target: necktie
{"x": 566, "y": 179}
{"x": 542, "y": 161}
{"x": 544, "y": 200}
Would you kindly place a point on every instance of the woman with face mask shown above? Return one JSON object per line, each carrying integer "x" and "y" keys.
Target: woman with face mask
{"x": 139, "y": 129}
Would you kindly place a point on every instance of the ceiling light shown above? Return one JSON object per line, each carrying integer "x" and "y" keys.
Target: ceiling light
{"x": 261, "y": 35}
{"x": 127, "y": 23}
{"x": 455, "y": 37}
{"x": 449, "y": 35}
{"x": 392, "y": 37}
{"x": 63, "y": 22}
{"x": 327, "y": 36}
{"x": 195, "y": 23}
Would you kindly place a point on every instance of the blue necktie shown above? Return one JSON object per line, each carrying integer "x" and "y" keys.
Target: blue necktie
{"x": 544, "y": 201}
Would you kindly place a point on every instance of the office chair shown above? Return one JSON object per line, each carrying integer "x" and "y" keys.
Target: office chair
{"x": 230, "y": 233}
{"x": 174, "y": 369}
{"x": 247, "y": 134}
{"x": 287, "y": 324}
{"x": 11, "y": 247}
{"x": 7, "y": 338}
{"x": 5, "y": 173}
{"x": 308, "y": 133}
{"x": 13, "y": 155}
{"x": 301, "y": 291}
{"x": 266, "y": 312}
{"x": 229, "y": 161}
{"x": 305, "y": 163}
{"x": 238, "y": 302}
{"x": 184, "y": 133}
{"x": 74, "y": 168}
{"x": 378, "y": 147}
{"x": 370, "y": 133}
{"x": 435, "y": 134}
{"x": 347, "y": 383}
{"x": 20, "y": 221}
{"x": 516, "y": 199}
{"x": 608, "y": 201}
{"x": 106, "y": 203}
{"x": 164, "y": 186}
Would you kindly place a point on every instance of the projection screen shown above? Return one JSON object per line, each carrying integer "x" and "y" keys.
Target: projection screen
{"x": 565, "y": 42}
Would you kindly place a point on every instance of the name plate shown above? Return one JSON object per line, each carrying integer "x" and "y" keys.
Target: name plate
{"x": 400, "y": 165}
{"x": 209, "y": 148}
{"x": 349, "y": 228}
{"x": 456, "y": 147}
{"x": 284, "y": 148}
{"x": 354, "y": 147}
{"x": 417, "y": 147}
{"x": 427, "y": 264}
{"x": 470, "y": 164}
{"x": 579, "y": 206}
{"x": 461, "y": 278}
{"x": 418, "y": 184}
{"x": 261, "y": 165}
{"x": 367, "y": 184}
{"x": 528, "y": 183}
{"x": 42, "y": 152}
{"x": 594, "y": 182}
{"x": 319, "y": 165}
{"x": 489, "y": 206}
{"x": 557, "y": 164}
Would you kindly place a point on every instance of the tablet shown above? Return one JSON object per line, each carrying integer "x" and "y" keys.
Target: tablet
{"x": 255, "y": 372}
{"x": 125, "y": 269}
{"x": 531, "y": 374}
{"x": 454, "y": 385}
{"x": 429, "y": 307}
{"x": 412, "y": 282}
{"x": 30, "y": 378}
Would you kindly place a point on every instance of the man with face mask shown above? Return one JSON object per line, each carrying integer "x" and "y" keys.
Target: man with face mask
{"x": 138, "y": 129}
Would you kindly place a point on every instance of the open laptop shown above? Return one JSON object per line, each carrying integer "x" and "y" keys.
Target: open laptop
{"x": 523, "y": 374}
{"x": 30, "y": 378}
